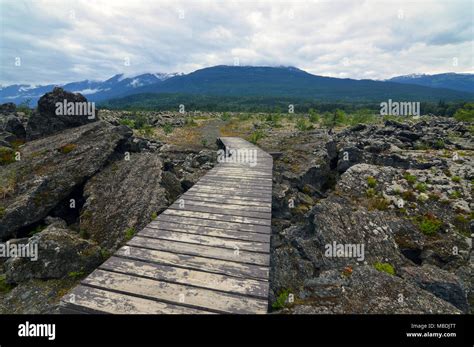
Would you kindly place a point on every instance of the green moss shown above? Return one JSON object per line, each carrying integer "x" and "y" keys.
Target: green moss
{"x": 2, "y": 211}
{"x": 385, "y": 267}
{"x": 154, "y": 215}
{"x": 83, "y": 233}
{"x": 67, "y": 148}
{"x": 76, "y": 274}
{"x": 370, "y": 192}
{"x": 371, "y": 181}
{"x": 129, "y": 233}
{"x": 281, "y": 300}
{"x": 408, "y": 195}
{"x": 4, "y": 286}
{"x": 105, "y": 254}
{"x": 456, "y": 179}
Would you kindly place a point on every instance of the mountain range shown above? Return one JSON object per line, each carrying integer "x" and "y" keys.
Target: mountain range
{"x": 245, "y": 81}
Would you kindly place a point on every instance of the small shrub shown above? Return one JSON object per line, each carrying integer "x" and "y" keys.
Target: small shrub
{"x": 302, "y": 125}
{"x": 455, "y": 194}
{"x": 153, "y": 216}
{"x": 225, "y": 116}
{"x": 429, "y": 224}
{"x": 385, "y": 267}
{"x": 128, "y": 122}
{"x": 370, "y": 192}
{"x": 421, "y": 187}
{"x": 167, "y": 128}
{"x": 439, "y": 144}
{"x": 313, "y": 116}
{"x": 379, "y": 203}
{"x": 256, "y": 136}
{"x": 190, "y": 122}
{"x": 371, "y": 181}
{"x": 408, "y": 195}
{"x": 281, "y": 300}
{"x": 409, "y": 178}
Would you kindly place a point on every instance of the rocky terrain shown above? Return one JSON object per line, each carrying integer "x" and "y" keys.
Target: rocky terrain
{"x": 77, "y": 188}
{"x": 400, "y": 189}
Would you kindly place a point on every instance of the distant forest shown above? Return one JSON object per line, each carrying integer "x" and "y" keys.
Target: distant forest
{"x": 168, "y": 102}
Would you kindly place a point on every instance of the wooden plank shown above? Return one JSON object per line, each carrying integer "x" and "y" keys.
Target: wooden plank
{"x": 237, "y": 207}
{"x": 105, "y": 301}
{"x": 185, "y": 276}
{"x": 221, "y": 209}
{"x": 223, "y": 267}
{"x": 206, "y": 240}
{"x": 222, "y": 198}
{"x": 215, "y": 223}
{"x": 176, "y": 293}
{"x": 236, "y": 193}
{"x": 209, "y": 231}
{"x": 236, "y": 255}
{"x": 217, "y": 217}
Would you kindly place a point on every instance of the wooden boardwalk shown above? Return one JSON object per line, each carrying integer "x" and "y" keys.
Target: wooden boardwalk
{"x": 209, "y": 252}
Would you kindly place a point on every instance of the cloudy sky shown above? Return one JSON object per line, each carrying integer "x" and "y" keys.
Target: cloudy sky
{"x": 64, "y": 41}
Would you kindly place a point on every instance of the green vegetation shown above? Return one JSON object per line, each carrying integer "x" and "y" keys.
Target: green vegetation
{"x": 225, "y": 116}
{"x": 167, "y": 128}
{"x": 429, "y": 224}
{"x": 256, "y": 136}
{"x": 128, "y": 122}
{"x": 371, "y": 181}
{"x": 2, "y": 211}
{"x": 385, "y": 267}
{"x": 370, "y": 192}
{"x": 456, "y": 194}
{"x": 421, "y": 187}
{"x": 7, "y": 156}
{"x": 105, "y": 254}
{"x": 76, "y": 274}
{"x": 67, "y": 148}
{"x": 409, "y": 178}
{"x": 25, "y": 107}
{"x": 378, "y": 203}
{"x": 4, "y": 286}
{"x": 129, "y": 233}
{"x": 281, "y": 300}
{"x": 154, "y": 215}
{"x": 337, "y": 118}
{"x": 313, "y": 116}
{"x": 456, "y": 179}
{"x": 302, "y": 125}
{"x": 37, "y": 229}
{"x": 439, "y": 144}
{"x": 466, "y": 113}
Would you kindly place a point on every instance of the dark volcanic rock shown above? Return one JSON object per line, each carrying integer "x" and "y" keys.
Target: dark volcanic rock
{"x": 45, "y": 121}
{"x": 7, "y": 108}
{"x": 443, "y": 284}
{"x": 60, "y": 252}
{"x": 13, "y": 125}
{"x": 50, "y": 169}
{"x": 367, "y": 291}
{"x": 123, "y": 196}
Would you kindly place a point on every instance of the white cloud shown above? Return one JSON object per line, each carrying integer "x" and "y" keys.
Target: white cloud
{"x": 64, "y": 41}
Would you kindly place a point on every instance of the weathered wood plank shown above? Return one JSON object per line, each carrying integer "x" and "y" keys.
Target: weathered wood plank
{"x": 176, "y": 293}
{"x": 236, "y": 255}
{"x": 206, "y": 240}
{"x": 237, "y": 207}
{"x": 186, "y": 276}
{"x": 105, "y": 301}
{"x": 221, "y": 209}
{"x": 210, "y": 231}
{"x": 196, "y": 263}
{"x": 215, "y": 223}
{"x": 218, "y": 217}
